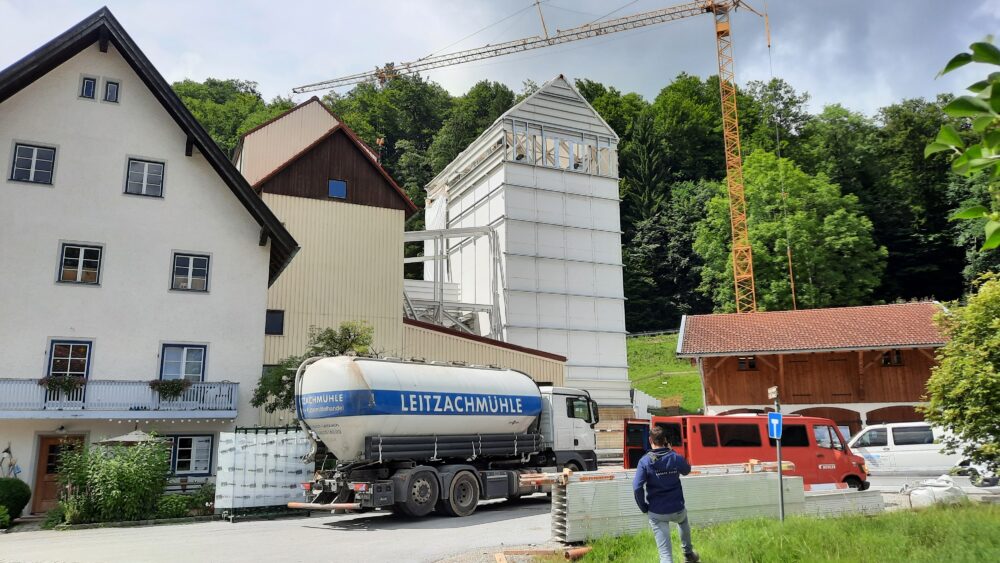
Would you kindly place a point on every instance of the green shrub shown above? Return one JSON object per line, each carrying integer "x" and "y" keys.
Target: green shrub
{"x": 203, "y": 501}
{"x": 54, "y": 517}
{"x": 113, "y": 483}
{"x": 14, "y": 496}
{"x": 174, "y": 506}
{"x": 4, "y": 518}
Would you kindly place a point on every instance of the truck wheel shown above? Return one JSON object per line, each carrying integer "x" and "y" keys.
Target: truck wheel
{"x": 463, "y": 495}
{"x": 421, "y": 495}
{"x": 853, "y": 482}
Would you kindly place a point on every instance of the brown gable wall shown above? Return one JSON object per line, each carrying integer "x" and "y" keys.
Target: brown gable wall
{"x": 335, "y": 158}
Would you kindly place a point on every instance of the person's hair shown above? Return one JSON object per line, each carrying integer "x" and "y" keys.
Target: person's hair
{"x": 658, "y": 437}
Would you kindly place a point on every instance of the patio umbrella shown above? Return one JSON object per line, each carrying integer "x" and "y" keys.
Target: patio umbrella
{"x": 132, "y": 438}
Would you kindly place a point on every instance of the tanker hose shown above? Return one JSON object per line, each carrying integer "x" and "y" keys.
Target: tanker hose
{"x": 313, "y": 438}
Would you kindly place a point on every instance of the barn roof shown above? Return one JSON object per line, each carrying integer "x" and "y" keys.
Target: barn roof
{"x": 902, "y": 325}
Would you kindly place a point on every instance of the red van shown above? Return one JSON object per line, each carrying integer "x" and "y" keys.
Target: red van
{"x": 814, "y": 445}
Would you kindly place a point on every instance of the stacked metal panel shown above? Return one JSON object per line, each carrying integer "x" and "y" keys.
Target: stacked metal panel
{"x": 826, "y": 504}
{"x": 262, "y": 468}
{"x": 583, "y": 510}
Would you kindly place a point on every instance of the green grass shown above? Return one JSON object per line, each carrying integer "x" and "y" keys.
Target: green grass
{"x": 654, "y": 368}
{"x": 967, "y": 532}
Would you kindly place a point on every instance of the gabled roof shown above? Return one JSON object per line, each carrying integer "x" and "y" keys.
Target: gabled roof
{"x": 574, "y": 110}
{"x": 878, "y": 327}
{"x": 102, "y": 27}
{"x": 362, "y": 148}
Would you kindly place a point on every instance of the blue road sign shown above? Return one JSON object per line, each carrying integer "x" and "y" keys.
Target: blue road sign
{"x": 774, "y": 425}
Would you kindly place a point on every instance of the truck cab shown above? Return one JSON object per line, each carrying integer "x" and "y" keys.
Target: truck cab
{"x": 567, "y": 427}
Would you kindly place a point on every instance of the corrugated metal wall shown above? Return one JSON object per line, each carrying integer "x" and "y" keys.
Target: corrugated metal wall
{"x": 432, "y": 345}
{"x": 350, "y": 268}
{"x": 272, "y": 145}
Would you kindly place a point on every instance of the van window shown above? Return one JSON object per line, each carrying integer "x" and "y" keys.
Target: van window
{"x": 739, "y": 435}
{"x": 672, "y": 431}
{"x": 793, "y": 436}
{"x": 578, "y": 408}
{"x": 911, "y": 435}
{"x": 838, "y": 443}
{"x": 874, "y": 438}
{"x": 709, "y": 437}
{"x": 823, "y": 438}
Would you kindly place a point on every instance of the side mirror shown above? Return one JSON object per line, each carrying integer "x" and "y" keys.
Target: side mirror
{"x": 595, "y": 414}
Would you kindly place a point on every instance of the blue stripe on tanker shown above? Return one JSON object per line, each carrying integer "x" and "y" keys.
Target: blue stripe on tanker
{"x": 363, "y": 402}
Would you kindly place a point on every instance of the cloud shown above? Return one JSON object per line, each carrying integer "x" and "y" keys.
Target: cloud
{"x": 840, "y": 52}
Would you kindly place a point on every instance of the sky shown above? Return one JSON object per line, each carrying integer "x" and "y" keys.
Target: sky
{"x": 863, "y": 54}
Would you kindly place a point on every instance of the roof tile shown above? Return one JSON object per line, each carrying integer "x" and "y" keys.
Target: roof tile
{"x": 899, "y": 325}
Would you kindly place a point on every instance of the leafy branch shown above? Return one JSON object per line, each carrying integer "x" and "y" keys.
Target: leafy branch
{"x": 981, "y": 110}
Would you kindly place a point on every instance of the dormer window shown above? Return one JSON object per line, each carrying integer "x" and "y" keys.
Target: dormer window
{"x": 746, "y": 363}
{"x": 88, "y": 87}
{"x": 111, "y": 88}
{"x": 892, "y": 358}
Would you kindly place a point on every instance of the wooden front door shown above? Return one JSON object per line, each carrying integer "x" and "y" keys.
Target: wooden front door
{"x": 46, "y": 494}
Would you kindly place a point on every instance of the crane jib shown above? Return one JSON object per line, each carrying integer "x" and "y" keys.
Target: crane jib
{"x": 363, "y": 402}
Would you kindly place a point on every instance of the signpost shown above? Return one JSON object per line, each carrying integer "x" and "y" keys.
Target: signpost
{"x": 775, "y": 425}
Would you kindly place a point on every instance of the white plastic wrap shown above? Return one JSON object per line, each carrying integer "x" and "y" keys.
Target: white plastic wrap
{"x": 941, "y": 490}
{"x": 260, "y": 469}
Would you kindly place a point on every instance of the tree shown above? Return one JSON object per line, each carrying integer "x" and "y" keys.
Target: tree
{"x": 276, "y": 388}
{"x": 643, "y": 174}
{"x": 839, "y": 143}
{"x": 964, "y": 388}
{"x": 836, "y": 261}
{"x": 981, "y": 111}
{"x": 689, "y": 115}
{"x": 228, "y": 108}
{"x": 471, "y": 114}
{"x": 968, "y": 192}
{"x": 764, "y": 106}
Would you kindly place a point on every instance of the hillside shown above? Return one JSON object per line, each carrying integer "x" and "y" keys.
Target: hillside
{"x": 655, "y": 369}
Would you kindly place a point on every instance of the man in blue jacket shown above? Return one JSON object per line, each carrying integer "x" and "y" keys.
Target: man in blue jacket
{"x": 657, "y": 488}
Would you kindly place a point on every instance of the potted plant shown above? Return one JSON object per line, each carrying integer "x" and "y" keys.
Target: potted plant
{"x": 67, "y": 384}
{"x": 170, "y": 389}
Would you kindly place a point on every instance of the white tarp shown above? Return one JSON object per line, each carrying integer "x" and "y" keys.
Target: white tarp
{"x": 262, "y": 468}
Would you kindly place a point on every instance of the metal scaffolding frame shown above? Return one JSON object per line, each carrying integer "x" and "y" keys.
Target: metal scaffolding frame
{"x": 459, "y": 315}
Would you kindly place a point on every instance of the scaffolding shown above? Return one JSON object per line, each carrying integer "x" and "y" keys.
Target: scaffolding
{"x": 438, "y": 300}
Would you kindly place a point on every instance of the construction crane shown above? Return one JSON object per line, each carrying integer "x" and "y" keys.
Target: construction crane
{"x": 742, "y": 254}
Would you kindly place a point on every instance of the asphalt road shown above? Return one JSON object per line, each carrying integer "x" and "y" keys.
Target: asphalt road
{"x": 892, "y": 483}
{"x": 362, "y": 537}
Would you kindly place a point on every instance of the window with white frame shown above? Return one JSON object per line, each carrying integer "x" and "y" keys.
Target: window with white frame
{"x": 69, "y": 358}
{"x": 111, "y": 90}
{"x": 80, "y": 264}
{"x": 144, "y": 178}
{"x": 88, "y": 87}
{"x": 33, "y": 163}
{"x": 191, "y": 455}
{"x": 182, "y": 361}
{"x": 190, "y": 272}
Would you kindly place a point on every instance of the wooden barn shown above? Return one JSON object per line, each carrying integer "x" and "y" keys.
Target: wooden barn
{"x": 854, "y": 365}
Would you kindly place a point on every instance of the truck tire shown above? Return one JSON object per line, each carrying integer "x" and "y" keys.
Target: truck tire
{"x": 463, "y": 495}
{"x": 422, "y": 491}
{"x": 854, "y": 483}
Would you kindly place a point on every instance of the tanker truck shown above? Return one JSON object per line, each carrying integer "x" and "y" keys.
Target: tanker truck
{"x": 417, "y": 437}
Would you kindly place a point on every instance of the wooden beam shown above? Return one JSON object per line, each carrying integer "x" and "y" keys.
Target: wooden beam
{"x": 781, "y": 377}
{"x": 102, "y": 39}
{"x": 189, "y": 147}
{"x": 926, "y": 353}
{"x": 263, "y": 237}
{"x": 766, "y": 362}
{"x": 861, "y": 375}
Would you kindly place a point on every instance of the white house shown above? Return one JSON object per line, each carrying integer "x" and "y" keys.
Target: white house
{"x": 545, "y": 177}
{"x": 133, "y": 252}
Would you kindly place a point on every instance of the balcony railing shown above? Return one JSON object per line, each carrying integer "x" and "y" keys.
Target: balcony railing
{"x": 104, "y": 396}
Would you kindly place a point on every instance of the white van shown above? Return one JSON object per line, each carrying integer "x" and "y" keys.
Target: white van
{"x": 903, "y": 447}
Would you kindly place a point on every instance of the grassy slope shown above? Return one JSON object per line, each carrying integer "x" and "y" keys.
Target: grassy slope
{"x": 654, "y": 369}
{"x": 960, "y": 533}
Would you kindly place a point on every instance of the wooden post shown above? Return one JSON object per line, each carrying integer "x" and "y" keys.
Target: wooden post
{"x": 781, "y": 376}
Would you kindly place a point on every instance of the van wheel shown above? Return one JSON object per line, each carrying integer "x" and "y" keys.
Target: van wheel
{"x": 463, "y": 496}
{"x": 421, "y": 495}
{"x": 854, "y": 483}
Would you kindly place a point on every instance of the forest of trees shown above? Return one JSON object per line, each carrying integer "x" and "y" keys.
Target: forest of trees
{"x": 864, "y": 215}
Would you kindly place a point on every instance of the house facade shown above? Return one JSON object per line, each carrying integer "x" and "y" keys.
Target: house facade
{"x": 854, "y": 365}
{"x": 136, "y": 253}
{"x": 544, "y": 178}
{"x": 349, "y": 215}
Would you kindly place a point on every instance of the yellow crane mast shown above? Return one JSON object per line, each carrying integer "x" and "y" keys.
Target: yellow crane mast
{"x": 742, "y": 253}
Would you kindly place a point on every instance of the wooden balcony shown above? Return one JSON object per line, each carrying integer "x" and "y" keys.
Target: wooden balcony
{"x": 26, "y": 399}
